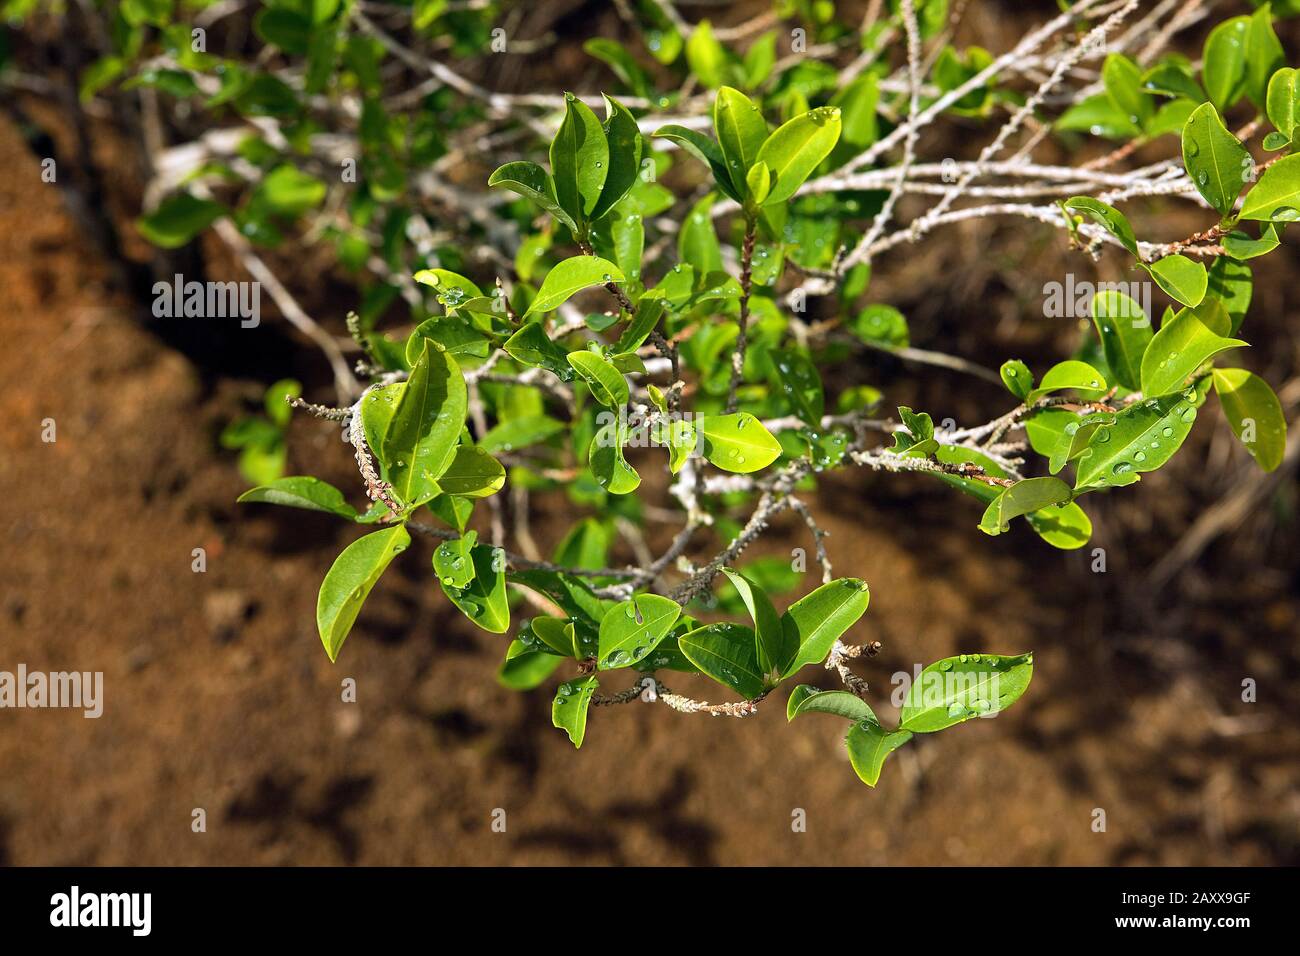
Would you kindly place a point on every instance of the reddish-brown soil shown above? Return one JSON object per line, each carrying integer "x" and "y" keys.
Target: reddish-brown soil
{"x": 218, "y": 695}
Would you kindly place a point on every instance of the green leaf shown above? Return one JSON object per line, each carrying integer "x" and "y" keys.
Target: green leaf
{"x": 727, "y": 653}
{"x": 1181, "y": 346}
{"x": 178, "y": 219}
{"x": 956, "y": 689}
{"x": 1070, "y": 374}
{"x": 1182, "y": 279}
{"x": 569, "y": 709}
{"x": 706, "y": 56}
{"x": 648, "y": 314}
{"x": 857, "y": 103}
{"x": 1125, "y": 332}
{"x": 302, "y": 492}
{"x": 524, "y": 668}
{"x": 741, "y": 131}
{"x": 758, "y": 183}
{"x": 706, "y": 151}
{"x": 1123, "y": 82}
{"x": 806, "y": 699}
{"x": 420, "y": 440}
{"x": 738, "y": 443}
{"x": 697, "y": 242}
{"x": 579, "y": 159}
{"x": 869, "y": 744}
{"x": 1098, "y": 116}
{"x": 557, "y": 634}
{"x": 1108, "y": 217}
{"x": 453, "y": 561}
{"x": 349, "y": 581}
{"x": 516, "y": 433}
{"x": 1076, "y": 438}
{"x": 1276, "y": 196}
{"x": 1231, "y": 284}
{"x": 531, "y": 346}
{"x": 532, "y": 182}
{"x": 1283, "y": 101}
{"x": 818, "y": 619}
{"x": 623, "y": 137}
{"x": 570, "y": 277}
{"x": 1264, "y": 54}
{"x": 1215, "y": 159}
{"x": 881, "y": 325}
{"x": 1022, "y": 498}
{"x": 797, "y": 148}
{"x": 457, "y": 337}
{"x": 288, "y": 191}
{"x": 483, "y": 600}
{"x": 1224, "y": 62}
{"x": 1145, "y": 436}
{"x": 605, "y": 458}
{"x": 1017, "y": 378}
{"x": 776, "y": 647}
{"x": 800, "y": 384}
{"x": 472, "y": 473}
{"x": 607, "y": 384}
{"x": 1254, "y": 413}
{"x": 632, "y": 629}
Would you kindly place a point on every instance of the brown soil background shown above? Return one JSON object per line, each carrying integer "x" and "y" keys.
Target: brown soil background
{"x": 217, "y": 694}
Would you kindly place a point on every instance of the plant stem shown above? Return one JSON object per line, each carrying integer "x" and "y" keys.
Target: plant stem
{"x": 742, "y": 339}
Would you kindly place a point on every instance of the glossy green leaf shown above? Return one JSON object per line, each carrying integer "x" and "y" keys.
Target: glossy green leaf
{"x": 1077, "y": 437}
{"x": 648, "y": 314}
{"x": 453, "y": 561}
{"x": 957, "y": 689}
{"x": 569, "y": 709}
{"x": 1283, "y": 101}
{"x": 1264, "y": 54}
{"x": 1125, "y": 332}
{"x": 454, "y": 335}
{"x": 1079, "y": 376}
{"x": 532, "y": 346}
{"x": 607, "y": 384}
{"x": 1224, "y": 62}
{"x": 800, "y": 384}
{"x": 776, "y": 647}
{"x": 1123, "y": 82}
{"x": 806, "y": 699}
{"x": 605, "y": 458}
{"x": 570, "y": 277}
{"x": 1276, "y": 196}
{"x": 1255, "y": 414}
{"x": 869, "y": 744}
{"x": 428, "y": 415}
{"x": 818, "y": 619}
{"x": 1145, "y": 436}
{"x": 579, "y": 159}
{"x": 797, "y": 148}
{"x": 1106, "y": 216}
{"x": 532, "y": 182}
{"x": 1215, "y": 159}
{"x": 521, "y": 432}
{"x": 758, "y": 183}
{"x": 483, "y": 600}
{"x": 738, "y": 443}
{"x": 557, "y": 634}
{"x": 524, "y": 668}
{"x": 634, "y": 628}
{"x": 706, "y": 150}
{"x": 472, "y": 473}
{"x": 1181, "y": 346}
{"x": 1232, "y": 284}
{"x": 1017, "y": 378}
{"x": 741, "y": 132}
{"x": 305, "y": 492}
{"x": 727, "y": 653}
{"x": 623, "y": 137}
{"x": 1181, "y": 278}
{"x": 1022, "y": 498}
{"x": 350, "y": 580}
